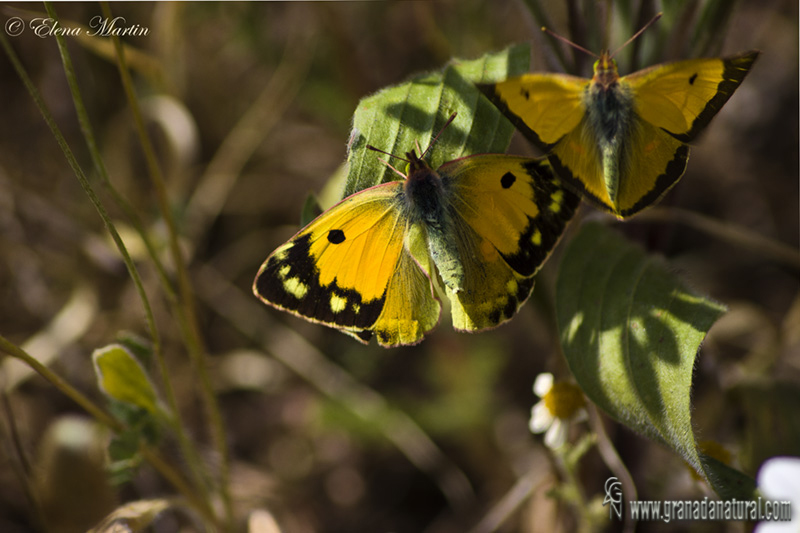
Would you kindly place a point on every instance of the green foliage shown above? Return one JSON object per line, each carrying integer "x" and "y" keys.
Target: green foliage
{"x": 141, "y": 427}
{"x": 132, "y": 400}
{"x": 396, "y": 118}
{"x": 630, "y": 330}
{"x": 630, "y": 327}
{"x": 121, "y": 377}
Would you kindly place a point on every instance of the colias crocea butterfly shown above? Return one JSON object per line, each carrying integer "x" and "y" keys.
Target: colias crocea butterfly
{"x": 620, "y": 141}
{"x": 485, "y": 223}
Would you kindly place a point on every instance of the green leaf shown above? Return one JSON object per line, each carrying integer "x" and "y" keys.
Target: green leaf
{"x": 630, "y": 330}
{"x": 123, "y": 449}
{"x": 728, "y": 482}
{"x": 121, "y": 377}
{"x": 140, "y": 347}
{"x": 394, "y": 118}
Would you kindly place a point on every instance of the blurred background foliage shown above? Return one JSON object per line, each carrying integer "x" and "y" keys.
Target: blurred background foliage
{"x": 250, "y": 106}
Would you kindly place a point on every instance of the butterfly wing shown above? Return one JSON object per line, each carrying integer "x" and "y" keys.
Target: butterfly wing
{"x": 672, "y": 103}
{"x": 507, "y": 214}
{"x": 550, "y": 111}
{"x": 544, "y": 107}
{"x": 650, "y": 164}
{"x": 651, "y": 161}
{"x": 683, "y": 96}
{"x": 350, "y": 269}
{"x": 578, "y": 161}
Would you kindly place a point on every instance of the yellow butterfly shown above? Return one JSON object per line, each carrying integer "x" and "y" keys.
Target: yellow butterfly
{"x": 620, "y": 141}
{"x": 485, "y": 223}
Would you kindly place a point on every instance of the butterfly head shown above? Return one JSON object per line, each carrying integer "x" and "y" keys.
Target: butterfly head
{"x": 415, "y": 163}
{"x": 605, "y": 70}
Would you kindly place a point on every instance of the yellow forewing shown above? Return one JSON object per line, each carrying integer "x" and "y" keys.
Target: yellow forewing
{"x": 672, "y": 96}
{"x": 548, "y": 104}
{"x": 363, "y": 260}
{"x": 348, "y": 268}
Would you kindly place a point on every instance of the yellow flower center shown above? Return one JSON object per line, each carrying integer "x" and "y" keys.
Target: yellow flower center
{"x": 564, "y": 400}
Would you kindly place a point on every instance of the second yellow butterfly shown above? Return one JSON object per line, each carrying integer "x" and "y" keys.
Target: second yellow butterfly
{"x": 620, "y": 141}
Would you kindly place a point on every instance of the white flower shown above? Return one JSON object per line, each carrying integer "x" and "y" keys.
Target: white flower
{"x": 779, "y": 479}
{"x": 561, "y": 404}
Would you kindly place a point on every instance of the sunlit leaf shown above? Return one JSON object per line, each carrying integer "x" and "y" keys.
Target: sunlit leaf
{"x": 630, "y": 330}
{"x": 396, "y": 118}
{"x": 121, "y": 377}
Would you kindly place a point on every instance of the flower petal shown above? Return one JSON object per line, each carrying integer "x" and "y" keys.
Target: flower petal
{"x": 579, "y": 416}
{"x": 543, "y": 384}
{"x": 779, "y": 479}
{"x": 556, "y": 436}
{"x": 541, "y": 419}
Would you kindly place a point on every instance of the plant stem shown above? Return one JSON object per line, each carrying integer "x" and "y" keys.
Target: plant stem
{"x": 86, "y": 128}
{"x": 732, "y": 233}
{"x": 152, "y": 456}
{"x": 186, "y": 314}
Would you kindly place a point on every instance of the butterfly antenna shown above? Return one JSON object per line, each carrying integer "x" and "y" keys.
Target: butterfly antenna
{"x": 430, "y": 145}
{"x": 385, "y": 162}
{"x": 370, "y": 147}
{"x": 638, "y": 33}
{"x": 567, "y": 41}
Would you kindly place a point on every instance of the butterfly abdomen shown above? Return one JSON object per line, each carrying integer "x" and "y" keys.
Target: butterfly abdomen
{"x": 610, "y": 112}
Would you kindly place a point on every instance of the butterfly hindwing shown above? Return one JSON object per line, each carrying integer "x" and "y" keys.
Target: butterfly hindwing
{"x": 650, "y": 167}
{"x": 411, "y": 309}
{"x": 508, "y": 214}
{"x": 347, "y": 268}
{"x": 580, "y": 164}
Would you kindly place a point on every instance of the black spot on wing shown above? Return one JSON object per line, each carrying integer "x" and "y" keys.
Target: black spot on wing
{"x": 549, "y": 224}
{"x": 297, "y": 264}
{"x": 736, "y": 68}
{"x": 336, "y": 236}
{"x": 507, "y": 180}
{"x": 489, "y": 91}
{"x": 692, "y": 78}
